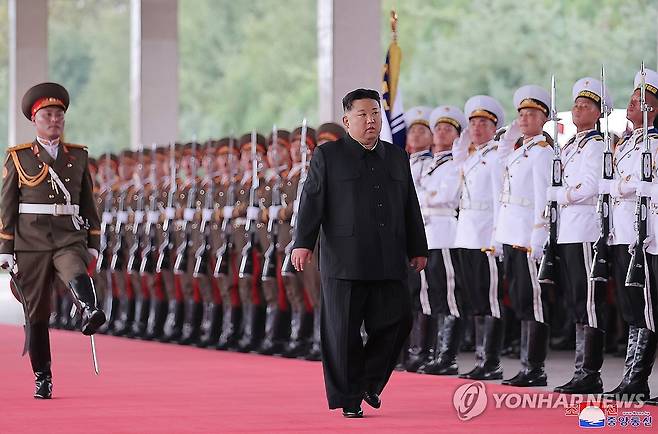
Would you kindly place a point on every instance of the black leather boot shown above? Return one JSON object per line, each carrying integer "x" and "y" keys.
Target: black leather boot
{"x": 140, "y": 323}
{"x": 231, "y": 320}
{"x": 297, "y": 345}
{"x": 418, "y": 342}
{"x": 493, "y": 342}
{"x": 537, "y": 346}
{"x": 211, "y": 325}
{"x": 445, "y": 354}
{"x": 628, "y": 362}
{"x": 125, "y": 317}
{"x": 84, "y": 294}
{"x": 478, "y": 324}
{"x": 39, "y": 351}
{"x": 157, "y": 318}
{"x": 469, "y": 338}
{"x": 523, "y": 353}
{"x": 315, "y": 352}
{"x": 652, "y": 401}
{"x": 271, "y": 343}
{"x": 636, "y": 387}
{"x": 586, "y": 379}
{"x": 111, "y": 306}
{"x": 191, "y": 322}
{"x": 173, "y": 326}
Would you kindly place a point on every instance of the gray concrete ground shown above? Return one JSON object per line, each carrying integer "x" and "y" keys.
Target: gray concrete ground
{"x": 559, "y": 364}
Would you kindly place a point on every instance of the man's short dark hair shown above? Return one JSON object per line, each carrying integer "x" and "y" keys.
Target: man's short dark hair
{"x": 357, "y": 94}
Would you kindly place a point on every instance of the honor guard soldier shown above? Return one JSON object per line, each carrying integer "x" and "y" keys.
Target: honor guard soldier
{"x": 49, "y": 226}
{"x": 480, "y": 267}
{"x": 119, "y": 259}
{"x": 419, "y": 144}
{"x": 106, "y": 206}
{"x": 438, "y": 195}
{"x": 277, "y": 315}
{"x": 578, "y": 230}
{"x": 522, "y": 227}
{"x": 227, "y": 256}
{"x": 250, "y": 237}
{"x": 301, "y": 287}
{"x": 636, "y": 300}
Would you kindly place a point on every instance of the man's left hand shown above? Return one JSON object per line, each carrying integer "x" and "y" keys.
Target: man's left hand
{"x": 418, "y": 263}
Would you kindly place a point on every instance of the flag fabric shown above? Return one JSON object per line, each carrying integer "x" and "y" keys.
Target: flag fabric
{"x": 393, "y": 126}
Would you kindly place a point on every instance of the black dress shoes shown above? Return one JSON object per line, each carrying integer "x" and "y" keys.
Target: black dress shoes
{"x": 43, "y": 385}
{"x": 372, "y": 399}
{"x": 352, "y": 412}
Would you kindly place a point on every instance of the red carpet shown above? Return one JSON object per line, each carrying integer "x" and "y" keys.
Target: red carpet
{"x": 149, "y": 387}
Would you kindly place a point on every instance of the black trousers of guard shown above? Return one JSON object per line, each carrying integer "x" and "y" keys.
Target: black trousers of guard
{"x": 443, "y": 287}
{"x": 585, "y": 298}
{"x": 350, "y": 367}
{"x": 482, "y": 279}
{"x": 529, "y": 297}
{"x": 631, "y": 300}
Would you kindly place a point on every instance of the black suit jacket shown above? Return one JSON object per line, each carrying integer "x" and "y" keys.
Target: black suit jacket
{"x": 363, "y": 204}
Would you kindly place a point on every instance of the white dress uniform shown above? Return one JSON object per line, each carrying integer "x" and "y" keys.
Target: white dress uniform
{"x": 637, "y": 304}
{"x": 419, "y": 161}
{"x": 522, "y": 229}
{"x": 479, "y": 261}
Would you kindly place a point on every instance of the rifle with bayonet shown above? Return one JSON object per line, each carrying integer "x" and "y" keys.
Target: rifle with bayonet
{"x": 166, "y": 247}
{"x": 287, "y": 269}
{"x": 118, "y": 260}
{"x": 183, "y": 249}
{"x": 149, "y": 237}
{"x": 104, "y": 253}
{"x": 548, "y": 265}
{"x": 247, "y": 262}
{"x": 600, "y": 265}
{"x": 270, "y": 255}
{"x": 135, "y": 253}
{"x": 637, "y": 273}
{"x": 203, "y": 252}
{"x": 223, "y": 254}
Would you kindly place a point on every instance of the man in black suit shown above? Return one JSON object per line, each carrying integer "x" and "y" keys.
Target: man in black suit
{"x": 360, "y": 198}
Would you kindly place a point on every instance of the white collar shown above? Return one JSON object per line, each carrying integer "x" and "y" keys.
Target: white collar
{"x": 49, "y": 143}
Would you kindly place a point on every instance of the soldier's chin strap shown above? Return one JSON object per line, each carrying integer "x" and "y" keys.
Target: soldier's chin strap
{"x": 77, "y": 220}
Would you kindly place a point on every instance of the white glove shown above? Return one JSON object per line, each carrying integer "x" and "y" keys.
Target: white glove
{"x": 93, "y": 252}
{"x": 139, "y": 217}
{"x": 274, "y": 212}
{"x": 206, "y": 214}
{"x": 253, "y": 213}
{"x": 497, "y": 248}
{"x": 536, "y": 252}
{"x": 606, "y": 186}
{"x": 107, "y": 217}
{"x": 170, "y": 213}
{"x": 463, "y": 141}
{"x": 552, "y": 194}
{"x": 512, "y": 134}
{"x": 6, "y": 261}
{"x": 188, "y": 214}
{"x": 227, "y": 212}
{"x": 644, "y": 189}
{"x": 654, "y": 192}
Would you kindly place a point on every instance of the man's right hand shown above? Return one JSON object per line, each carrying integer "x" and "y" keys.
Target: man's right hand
{"x": 6, "y": 261}
{"x": 301, "y": 257}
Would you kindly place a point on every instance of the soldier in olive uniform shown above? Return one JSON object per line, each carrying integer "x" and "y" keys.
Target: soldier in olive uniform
{"x": 277, "y": 319}
{"x": 250, "y": 237}
{"x": 49, "y": 226}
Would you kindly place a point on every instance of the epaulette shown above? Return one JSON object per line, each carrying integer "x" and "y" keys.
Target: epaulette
{"x": 489, "y": 149}
{"x": 73, "y": 145}
{"x": 19, "y": 147}
{"x": 593, "y": 134}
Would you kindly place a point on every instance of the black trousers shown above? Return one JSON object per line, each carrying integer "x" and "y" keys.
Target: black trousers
{"x": 585, "y": 298}
{"x": 482, "y": 279}
{"x": 649, "y": 303}
{"x": 631, "y": 300}
{"x": 529, "y": 297}
{"x": 350, "y": 367}
{"x": 443, "y": 287}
